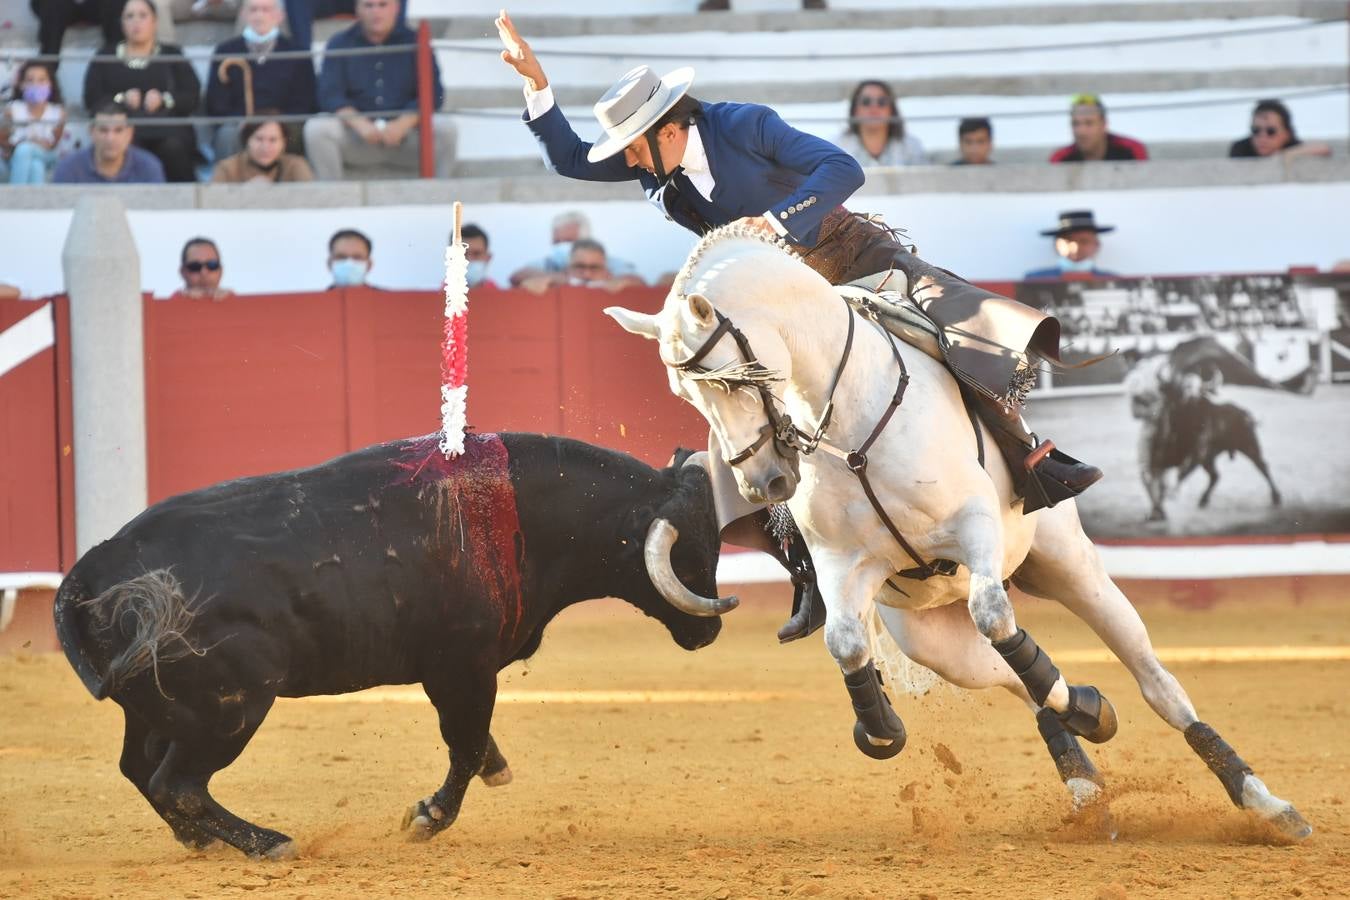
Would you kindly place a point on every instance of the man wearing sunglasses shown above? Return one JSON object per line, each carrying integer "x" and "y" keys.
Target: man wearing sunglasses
{"x": 201, "y": 270}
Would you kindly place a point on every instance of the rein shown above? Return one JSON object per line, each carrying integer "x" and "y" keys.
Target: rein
{"x": 790, "y": 441}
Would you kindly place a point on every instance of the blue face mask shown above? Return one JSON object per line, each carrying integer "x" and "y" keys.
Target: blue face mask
{"x": 252, "y": 37}
{"x": 477, "y": 272}
{"x": 1069, "y": 265}
{"x": 558, "y": 256}
{"x": 349, "y": 272}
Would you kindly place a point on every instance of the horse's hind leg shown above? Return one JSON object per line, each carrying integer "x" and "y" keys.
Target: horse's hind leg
{"x": 1064, "y": 566}
{"x": 1212, "y": 471}
{"x": 1082, "y": 709}
{"x": 945, "y": 640}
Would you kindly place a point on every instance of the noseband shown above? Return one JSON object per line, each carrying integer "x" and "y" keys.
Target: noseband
{"x": 789, "y": 440}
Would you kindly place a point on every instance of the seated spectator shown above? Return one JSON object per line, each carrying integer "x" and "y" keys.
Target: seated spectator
{"x": 375, "y": 99}
{"x": 876, "y": 131}
{"x": 111, "y": 158}
{"x": 976, "y": 137}
{"x": 150, "y": 80}
{"x": 724, "y": 5}
{"x": 300, "y": 16}
{"x": 264, "y": 158}
{"x": 587, "y": 266}
{"x": 479, "y": 256}
{"x": 567, "y": 227}
{"x": 285, "y": 85}
{"x": 1077, "y": 244}
{"x": 1273, "y": 135}
{"x": 201, "y": 270}
{"x": 32, "y": 126}
{"x": 55, "y": 16}
{"x": 1091, "y": 141}
{"x": 349, "y": 258}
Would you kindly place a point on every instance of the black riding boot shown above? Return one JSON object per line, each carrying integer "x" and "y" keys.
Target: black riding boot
{"x": 1041, "y": 474}
{"x": 808, "y": 610}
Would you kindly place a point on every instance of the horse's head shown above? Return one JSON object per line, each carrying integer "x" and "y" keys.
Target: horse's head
{"x": 730, "y": 372}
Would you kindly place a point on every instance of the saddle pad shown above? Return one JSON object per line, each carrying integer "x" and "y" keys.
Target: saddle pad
{"x": 896, "y": 313}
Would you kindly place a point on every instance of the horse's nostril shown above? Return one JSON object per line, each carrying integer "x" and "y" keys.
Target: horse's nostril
{"x": 779, "y": 489}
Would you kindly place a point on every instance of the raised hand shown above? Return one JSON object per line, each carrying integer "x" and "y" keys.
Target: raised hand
{"x": 518, "y": 54}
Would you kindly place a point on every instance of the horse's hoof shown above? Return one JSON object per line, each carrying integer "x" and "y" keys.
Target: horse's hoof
{"x": 1292, "y": 825}
{"x": 498, "y": 778}
{"x": 878, "y": 747}
{"x": 1090, "y": 715}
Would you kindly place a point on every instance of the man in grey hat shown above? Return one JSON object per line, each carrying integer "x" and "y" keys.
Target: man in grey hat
{"x": 1077, "y": 245}
{"x": 709, "y": 164}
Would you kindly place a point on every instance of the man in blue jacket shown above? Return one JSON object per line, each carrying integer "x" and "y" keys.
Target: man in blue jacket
{"x": 709, "y": 164}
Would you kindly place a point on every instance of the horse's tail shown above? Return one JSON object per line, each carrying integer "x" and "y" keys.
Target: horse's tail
{"x": 149, "y": 616}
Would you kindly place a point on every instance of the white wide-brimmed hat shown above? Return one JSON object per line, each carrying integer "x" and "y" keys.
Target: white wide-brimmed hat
{"x": 633, "y": 105}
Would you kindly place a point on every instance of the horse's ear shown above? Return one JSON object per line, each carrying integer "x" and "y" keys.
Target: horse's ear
{"x": 701, "y": 308}
{"x": 635, "y": 322}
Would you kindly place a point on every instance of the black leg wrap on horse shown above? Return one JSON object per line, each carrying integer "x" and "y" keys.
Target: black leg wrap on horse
{"x": 876, "y": 718}
{"x": 1071, "y": 761}
{"x": 1222, "y": 759}
{"x": 1025, "y": 657}
{"x": 1089, "y": 714}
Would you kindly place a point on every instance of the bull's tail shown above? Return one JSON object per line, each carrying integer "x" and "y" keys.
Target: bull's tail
{"x": 148, "y": 617}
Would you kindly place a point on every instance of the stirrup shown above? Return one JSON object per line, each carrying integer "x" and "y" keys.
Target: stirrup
{"x": 1041, "y": 491}
{"x": 808, "y": 609}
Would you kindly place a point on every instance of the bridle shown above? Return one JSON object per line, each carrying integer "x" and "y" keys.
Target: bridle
{"x": 792, "y": 442}
{"x": 789, "y": 440}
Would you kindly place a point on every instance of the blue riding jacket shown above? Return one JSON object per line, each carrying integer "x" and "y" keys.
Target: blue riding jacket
{"x": 759, "y": 164}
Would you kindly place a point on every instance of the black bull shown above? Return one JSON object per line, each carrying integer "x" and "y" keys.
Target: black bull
{"x": 385, "y": 566}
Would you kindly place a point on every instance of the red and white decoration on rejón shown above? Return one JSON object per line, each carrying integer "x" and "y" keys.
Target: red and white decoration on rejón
{"x": 455, "y": 345}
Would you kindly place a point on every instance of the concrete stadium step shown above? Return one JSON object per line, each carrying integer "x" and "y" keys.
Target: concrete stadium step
{"x": 461, "y": 18}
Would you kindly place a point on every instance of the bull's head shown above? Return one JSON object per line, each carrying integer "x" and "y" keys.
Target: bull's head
{"x": 680, "y": 547}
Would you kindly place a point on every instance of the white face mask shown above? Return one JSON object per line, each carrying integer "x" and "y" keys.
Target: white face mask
{"x": 349, "y": 272}
{"x": 1069, "y": 265}
{"x": 477, "y": 272}
{"x": 559, "y": 255}
{"x": 252, "y": 37}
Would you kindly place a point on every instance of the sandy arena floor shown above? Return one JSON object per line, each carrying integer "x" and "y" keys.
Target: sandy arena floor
{"x": 635, "y": 777}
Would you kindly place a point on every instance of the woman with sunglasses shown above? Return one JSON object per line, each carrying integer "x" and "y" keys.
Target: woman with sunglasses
{"x": 704, "y": 165}
{"x": 876, "y": 133}
{"x": 1273, "y": 134}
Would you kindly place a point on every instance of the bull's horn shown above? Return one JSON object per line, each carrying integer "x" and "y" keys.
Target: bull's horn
{"x": 661, "y": 537}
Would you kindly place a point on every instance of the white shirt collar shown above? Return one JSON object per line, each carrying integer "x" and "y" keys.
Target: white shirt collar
{"x": 695, "y": 164}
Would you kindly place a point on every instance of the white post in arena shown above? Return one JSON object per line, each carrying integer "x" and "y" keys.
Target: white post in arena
{"x": 103, "y": 278}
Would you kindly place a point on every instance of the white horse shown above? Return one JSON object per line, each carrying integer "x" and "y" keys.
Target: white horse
{"x": 745, "y": 314}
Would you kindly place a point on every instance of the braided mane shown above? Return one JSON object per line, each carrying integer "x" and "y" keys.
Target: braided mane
{"x": 727, "y": 232}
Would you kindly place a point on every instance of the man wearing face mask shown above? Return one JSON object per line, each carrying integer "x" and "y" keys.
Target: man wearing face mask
{"x": 568, "y": 228}
{"x": 477, "y": 253}
{"x": 349, "y": 258}
{"x": 284, "y": 85}
{"x": 1077, "y": 245}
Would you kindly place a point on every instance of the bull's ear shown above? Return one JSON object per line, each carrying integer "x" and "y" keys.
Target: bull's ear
{"x": 635, "y": 322}
{"x": 701, "y": 310}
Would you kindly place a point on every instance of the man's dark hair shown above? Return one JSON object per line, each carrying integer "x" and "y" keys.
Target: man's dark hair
{"x": 350, "y": 233}
{"x": 473, "y": 231}
{"x": 588, "y": 244}
{"x": 682, "y": 113}
{"x": 111, "y": 108}
{"x": 895, "y": 131}
{"x": 197, "y": 242}
{"x": 975, "y": 123}
{"x": 1279, "y": 109}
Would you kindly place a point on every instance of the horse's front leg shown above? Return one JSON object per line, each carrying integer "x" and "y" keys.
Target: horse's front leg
{"x": 847, "y": 583}
{"x": 1081, "y": 709}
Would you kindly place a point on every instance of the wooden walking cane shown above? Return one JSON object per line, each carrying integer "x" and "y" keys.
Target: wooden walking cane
{"x": 242, "y": 64}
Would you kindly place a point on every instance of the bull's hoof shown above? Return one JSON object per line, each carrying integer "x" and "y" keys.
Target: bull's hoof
{"x": 1090, "y": 715}
{"x": 424, "y": 819}
{"x": 286, "y": 850}
{"x": 498, "y": 778}
{"x": 878, "y": 747}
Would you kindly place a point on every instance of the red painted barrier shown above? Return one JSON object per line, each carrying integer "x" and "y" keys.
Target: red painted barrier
{"x": 262, "y": 383}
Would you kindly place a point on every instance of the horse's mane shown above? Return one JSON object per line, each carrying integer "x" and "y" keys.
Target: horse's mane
{"x": 727, "y": 232}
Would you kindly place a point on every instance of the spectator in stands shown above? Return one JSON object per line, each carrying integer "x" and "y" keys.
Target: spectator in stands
{"x": 55, "y": 16}
{"x": 284, "y": 85}
{"x": 349, "y": 258}
{"x": 876, "y": 131}
{"x": 723, "y": 5}
{"x": 152, "y": 81}
{"x": 111, "y": 158}
{"x": 587, "y": 266}
{"x": 201, "y": 269}
{"x": 1077, "y": 244}
{"x": 567, "y": 227}
{"x": 300, "y": 16}
{"x": 375, "y": 99}
{"x": 1091, "y": 141}
{"x": 264, "y": 157}
{"x": 31, "y": 127}
{"x": 976, "y": 137}
{"x": 478, "y": 254}
{"x": 1273, "y": 135}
